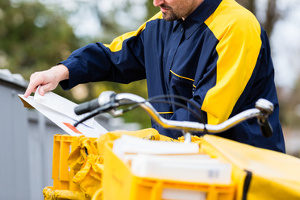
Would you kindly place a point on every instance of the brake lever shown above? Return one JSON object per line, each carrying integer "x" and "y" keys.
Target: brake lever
{"x": 266, "y": 108}
{"x": 265, "y": 127}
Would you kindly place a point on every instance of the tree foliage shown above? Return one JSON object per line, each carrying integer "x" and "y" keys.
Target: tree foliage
{"x": 32, "y": 37}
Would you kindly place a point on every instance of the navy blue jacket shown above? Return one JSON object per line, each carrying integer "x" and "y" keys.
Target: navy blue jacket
{"x": 218, "y": 57}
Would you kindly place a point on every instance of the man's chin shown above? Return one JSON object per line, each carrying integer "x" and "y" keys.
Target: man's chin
{"x": 169, "y": 17}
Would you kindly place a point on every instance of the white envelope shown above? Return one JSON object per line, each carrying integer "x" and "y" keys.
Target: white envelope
{"x": 61, "y": 112}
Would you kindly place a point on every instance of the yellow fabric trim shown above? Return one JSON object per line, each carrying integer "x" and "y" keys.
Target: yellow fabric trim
{"x": 117, "y": 43}
{"x": 161, "y": 113}
{"x": 181, "y": 76}
{"x": 238, "y": 49}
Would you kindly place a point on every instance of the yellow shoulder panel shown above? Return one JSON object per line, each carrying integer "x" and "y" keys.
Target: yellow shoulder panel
{"x": 238, "y": 33}
{"x": 117, "y": 43}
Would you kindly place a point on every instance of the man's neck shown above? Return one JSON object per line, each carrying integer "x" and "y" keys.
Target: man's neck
{"x": 196, "y": 4}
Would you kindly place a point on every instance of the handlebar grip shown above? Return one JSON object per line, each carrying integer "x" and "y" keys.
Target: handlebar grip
{"x": 86, "y": 107}
{"x": 265, "y": 127}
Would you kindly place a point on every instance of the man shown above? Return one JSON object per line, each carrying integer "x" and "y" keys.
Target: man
{"x": 213, "y": 52}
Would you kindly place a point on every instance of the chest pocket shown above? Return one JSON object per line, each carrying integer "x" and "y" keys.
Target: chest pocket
{"x": 181, "y": 85}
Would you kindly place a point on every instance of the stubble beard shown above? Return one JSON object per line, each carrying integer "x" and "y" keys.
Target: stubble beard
{"x": 170, "y": 16}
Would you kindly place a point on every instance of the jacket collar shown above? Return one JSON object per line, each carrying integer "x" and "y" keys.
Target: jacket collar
{"x": 198, "y": 17}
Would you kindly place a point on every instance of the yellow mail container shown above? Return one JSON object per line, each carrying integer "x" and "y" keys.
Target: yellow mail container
{"x": 61, "y": 173}
{"x": 64, "y": 170}
{"x": 119, "y": 183}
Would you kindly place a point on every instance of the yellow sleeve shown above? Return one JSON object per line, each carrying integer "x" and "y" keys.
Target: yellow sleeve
{"x": 238, "y": 50}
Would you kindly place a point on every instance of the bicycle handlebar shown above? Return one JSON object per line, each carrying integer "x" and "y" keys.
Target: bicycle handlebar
{"x": 111, "y": 101}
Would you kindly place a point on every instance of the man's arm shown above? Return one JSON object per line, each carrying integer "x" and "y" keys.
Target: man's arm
{"x": 99, "y": 62}
{"x": 121, "y": 61}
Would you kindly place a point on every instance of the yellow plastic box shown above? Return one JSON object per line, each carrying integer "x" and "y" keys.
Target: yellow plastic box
{"x": 61, "y": 173}
{"x": 120, "y": 184}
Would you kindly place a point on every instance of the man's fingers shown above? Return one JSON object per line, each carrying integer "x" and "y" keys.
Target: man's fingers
{"x": 45, "y": 88}
{"x": 35, "y": 81}
{"x": 48, "y": 80}
{"x": 30, "y": 89}
{"x": 27, "y": 93}
{"x": 42, "y": 90}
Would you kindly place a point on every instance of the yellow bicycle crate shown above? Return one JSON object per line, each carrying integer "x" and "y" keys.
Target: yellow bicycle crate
{"x": 120, "y": 184}
{"x": 69, "y": 155}
{"x": 61, "y": 173}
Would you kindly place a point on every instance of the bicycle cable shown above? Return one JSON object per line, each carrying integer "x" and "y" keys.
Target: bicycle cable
{"x": 195, "y": 114}
{"x": 177, "y": 97}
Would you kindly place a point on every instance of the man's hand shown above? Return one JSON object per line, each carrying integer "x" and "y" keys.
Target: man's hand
{"x": 48, "y": 79}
